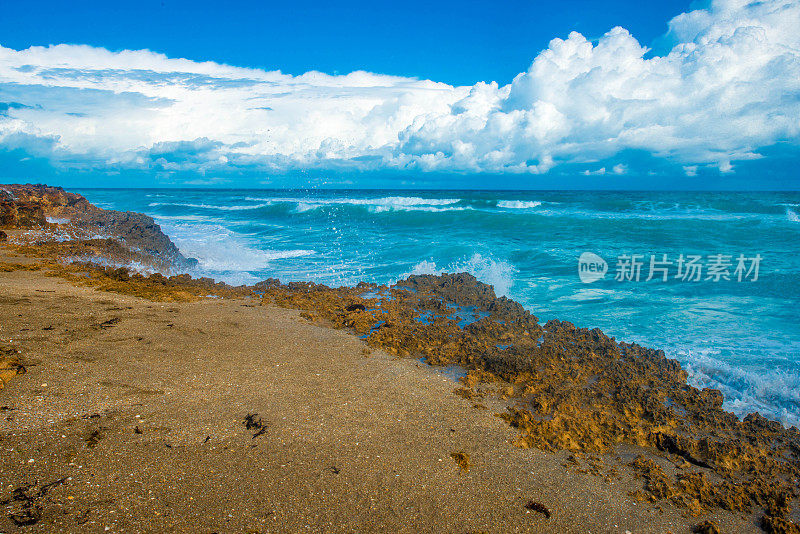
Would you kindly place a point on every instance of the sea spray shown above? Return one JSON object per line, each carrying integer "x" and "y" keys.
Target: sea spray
{"x": 772, "y": 393}
{"x": 499, "y": 274}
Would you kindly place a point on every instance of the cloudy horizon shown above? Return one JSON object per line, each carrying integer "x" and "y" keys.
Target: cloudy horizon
{"x": 726, "y": 97}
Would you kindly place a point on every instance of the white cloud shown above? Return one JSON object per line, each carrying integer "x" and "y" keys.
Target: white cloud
{"x": 729, "y": 86}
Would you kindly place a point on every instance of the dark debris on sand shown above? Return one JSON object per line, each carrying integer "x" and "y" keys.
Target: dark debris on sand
{"x": 253, "y": 421}
{"x": 707, "y": 527}
{"x": 24, "y": 505}
{"x": 536, "y": 506}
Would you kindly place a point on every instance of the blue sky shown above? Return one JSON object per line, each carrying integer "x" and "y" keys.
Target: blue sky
{"x": 459, "y": 43}
{"x": 576, "y": 94}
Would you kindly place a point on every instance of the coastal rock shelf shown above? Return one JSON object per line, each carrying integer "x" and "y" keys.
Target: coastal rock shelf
{"x": 563, "y": 388}
{"x": 64, "y": 216}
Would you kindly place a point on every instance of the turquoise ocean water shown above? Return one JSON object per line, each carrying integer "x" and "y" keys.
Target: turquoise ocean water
{"x": 742, "y": 337}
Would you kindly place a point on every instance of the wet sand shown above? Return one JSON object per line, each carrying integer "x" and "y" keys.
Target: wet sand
{"x": 135, "y": 410}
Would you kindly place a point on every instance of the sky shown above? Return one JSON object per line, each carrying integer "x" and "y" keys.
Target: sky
{"x": 573, "y": 94}
{"x": 455, "y": 42}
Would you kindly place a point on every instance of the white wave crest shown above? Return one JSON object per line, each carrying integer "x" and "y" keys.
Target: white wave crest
{"x": 222, "y": 254}
{"x": 499, "y": 274}
{"x": 211, "y": 206}
{"x": 518, "y": 204}
{"x": 406, "y": 201}
{"x": 303, "y": 207}
{"x": 792, "y": 216}
{"x": 379, "y": 205}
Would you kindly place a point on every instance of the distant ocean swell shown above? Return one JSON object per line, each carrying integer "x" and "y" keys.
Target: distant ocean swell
{"x": 618, "y": 210}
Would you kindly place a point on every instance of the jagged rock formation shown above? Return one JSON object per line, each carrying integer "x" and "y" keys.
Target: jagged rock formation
{"x": 28, "y": 207}
{"x": 20, "y": 213}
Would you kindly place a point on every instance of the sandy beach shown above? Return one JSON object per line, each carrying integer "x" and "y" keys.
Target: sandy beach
{"x": 140, "y": 423}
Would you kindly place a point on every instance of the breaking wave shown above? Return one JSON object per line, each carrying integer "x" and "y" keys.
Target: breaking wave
{"x": 224, "y": 255}
{"x": 774, "y": 394}
{"x": 518, "y": 204}
{"x": 379, "y": 205}
{"x": 499, "y": 274}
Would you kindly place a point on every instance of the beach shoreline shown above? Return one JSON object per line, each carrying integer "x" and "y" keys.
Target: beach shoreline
{"x": 374, "y": 439}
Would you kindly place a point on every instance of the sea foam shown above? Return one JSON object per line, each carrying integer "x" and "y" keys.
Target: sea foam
{"x": 518, "y": 204}
{"x": 211, "y": 206}
{"x": 774, "y": 394}
{"x": 223, "y": 254}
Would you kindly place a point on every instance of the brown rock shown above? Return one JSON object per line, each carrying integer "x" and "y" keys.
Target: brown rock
{"x": 19, "y": 213}
{"x": 28, "y": 206}
{"x": 10, "y": 365}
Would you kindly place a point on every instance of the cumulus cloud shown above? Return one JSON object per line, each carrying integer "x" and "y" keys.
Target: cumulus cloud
{"x": 728, "y": 88}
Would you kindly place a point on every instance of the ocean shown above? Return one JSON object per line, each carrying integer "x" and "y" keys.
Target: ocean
{"x": 728, "y": 309}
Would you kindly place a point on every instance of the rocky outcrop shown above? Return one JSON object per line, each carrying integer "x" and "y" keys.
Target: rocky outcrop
{"x": 29, "y": 206}
{"x": 136, "y": 230}
{"x": 54, "y": 201}
{"x": 20, "y": 213}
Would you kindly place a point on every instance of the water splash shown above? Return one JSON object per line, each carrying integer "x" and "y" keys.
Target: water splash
{"x": 499, "y": 274}
{"x": 774, "y": 394}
